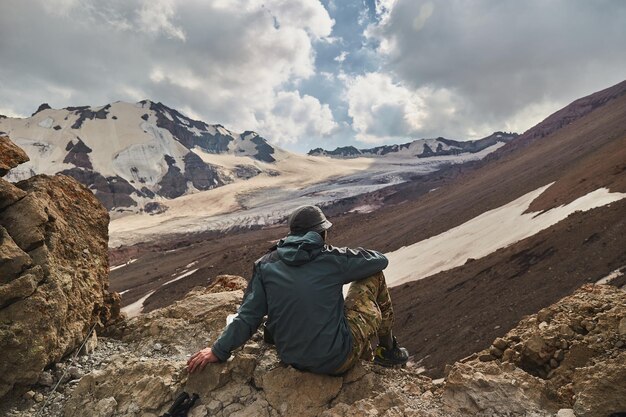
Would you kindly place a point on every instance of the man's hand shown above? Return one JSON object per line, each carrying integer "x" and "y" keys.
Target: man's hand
{"x": 198, "y": 360}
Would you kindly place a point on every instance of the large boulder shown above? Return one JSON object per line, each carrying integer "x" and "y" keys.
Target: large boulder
{"x": 570, "y": 355}
{"x": 53, "y": 271}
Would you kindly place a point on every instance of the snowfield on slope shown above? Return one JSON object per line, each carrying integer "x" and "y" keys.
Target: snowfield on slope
{"x": 483, "y": 235}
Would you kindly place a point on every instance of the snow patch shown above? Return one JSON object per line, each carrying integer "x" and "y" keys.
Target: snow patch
{"x": 195, "y": 131}
{"x": 181, "y": 276}
{"x": 46, "y": 123}
{"x": 483, "y": 235}
{"x": 122, "y": 265}
{"x": 223, "y": 131}
{"x": 607, "y": 279}
{"x": 136, "y": 308}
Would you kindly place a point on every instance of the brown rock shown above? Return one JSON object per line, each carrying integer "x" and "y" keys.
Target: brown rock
{"x": 13, "y": 260}
{"x": 495, "y": 352}
{"x": 476, "y": 388}
{"x": 54, "y": 293}
{"x": 297, "y": 393}
{"x": 9, "y": 194}
{"x": 125, "y": 387}
{"x": 566, "y": 331}
{"x": 10, "y": 155}
{"x": 501, "y": 343}
{"x": 599, "y": 389}
{"x": 227, "y": 283}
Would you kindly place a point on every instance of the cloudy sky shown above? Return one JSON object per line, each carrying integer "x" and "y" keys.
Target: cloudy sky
{"x": 312, "y": 73}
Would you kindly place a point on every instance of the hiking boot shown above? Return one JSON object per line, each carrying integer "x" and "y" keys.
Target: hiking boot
{"x": 391, "y": 357}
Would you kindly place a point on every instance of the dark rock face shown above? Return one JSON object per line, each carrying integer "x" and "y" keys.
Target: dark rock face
{"x": 111, "y": 191}
{"x": 246, "y": 171}
{"x": 264, "y": 150}
{"x": 155, "y": 207}
{"x": 203, "y": 176}
{"x": 42, "y": 107}
{"x": 179, "y": 126}
{"x": 84, "y": 113}
{"x": 53, "y": 274}
{"x": 340, "y": 151}
{"x": 78, "y": 154}
{"x": 173, "y": 184}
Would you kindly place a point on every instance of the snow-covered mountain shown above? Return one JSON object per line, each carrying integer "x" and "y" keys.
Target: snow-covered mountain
{"x": 131, "y": 153}
{"x": 137, "y": 157}
{"x": 420, "y": 148}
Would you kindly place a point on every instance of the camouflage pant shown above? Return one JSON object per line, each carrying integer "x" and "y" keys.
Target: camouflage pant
{"x": 369, "y": 313}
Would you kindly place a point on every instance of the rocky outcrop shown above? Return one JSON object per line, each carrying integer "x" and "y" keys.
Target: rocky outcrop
{"x": 253, "y": 383}
{"x": 53, "y": 271}
{"x": 140, "y": 367}
{"x": 571, "y": 355}
{"x": 10, "y": 155}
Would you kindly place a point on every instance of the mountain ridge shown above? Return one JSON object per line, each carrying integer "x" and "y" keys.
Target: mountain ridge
{"x": 152, "y": 150}
{"x": 420, "y": 148}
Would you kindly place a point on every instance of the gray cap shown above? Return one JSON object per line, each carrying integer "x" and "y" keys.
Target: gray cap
{"x": 308, "y": 219}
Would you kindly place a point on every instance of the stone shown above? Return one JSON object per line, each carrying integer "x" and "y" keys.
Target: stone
{"x": 566, "y": 331}
{"x": 38, "y": 397}
{"x": 186, "y": 326}
{"x": 298, "y": 393}
{"x": 259, "y": 408}
{"x": 13, "y": 260}
{"x": 52, "y": 295}
{"x": 29, "y": 395}
{"x": 471, "y": 388}
{"x": 223, "y": 283}
{"x": 46, "y": 379}
{"x": 74, "y": 372}
{"x": 494, "y": 351}
{"x": 565, "y": 412}
{"x": 148, "y": 386}
{"x": 621, "y": 328}
{"x": 106, "y": 407}
{"x": 500, "y": 343}
{"x": 9, "y": 194}
{"x": 599, "y": 387}
{"x": 10, "y": 155}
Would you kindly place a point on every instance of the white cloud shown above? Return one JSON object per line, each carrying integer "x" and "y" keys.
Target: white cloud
{"x": 227, "y": 61}
{"x": 507, "y": 65}
{"x": 382, "y": 110}
{"x": 155, "y": 16}
{"x": 293, "y": 116}
{"x": 341, "y": 57}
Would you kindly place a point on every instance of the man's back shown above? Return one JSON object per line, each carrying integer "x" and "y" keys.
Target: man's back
{"x": 301, "y": 283}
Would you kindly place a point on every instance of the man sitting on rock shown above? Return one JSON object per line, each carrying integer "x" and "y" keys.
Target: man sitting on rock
{"x": 298, "y": 285}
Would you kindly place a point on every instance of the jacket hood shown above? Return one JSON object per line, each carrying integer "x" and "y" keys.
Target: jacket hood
{"x": 300, "y": 249}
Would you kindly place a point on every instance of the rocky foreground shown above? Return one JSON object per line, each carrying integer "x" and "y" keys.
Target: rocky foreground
{"x": 568, "y": 359}
{"x": 65, "y": 351}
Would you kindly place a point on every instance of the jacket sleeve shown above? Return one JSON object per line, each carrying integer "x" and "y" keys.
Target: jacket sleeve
{"x": 361, "y": 263}
{"x": 249, "y": 316}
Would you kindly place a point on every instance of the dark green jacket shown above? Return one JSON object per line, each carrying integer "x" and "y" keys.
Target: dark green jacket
{"x": 299, "y": 287}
